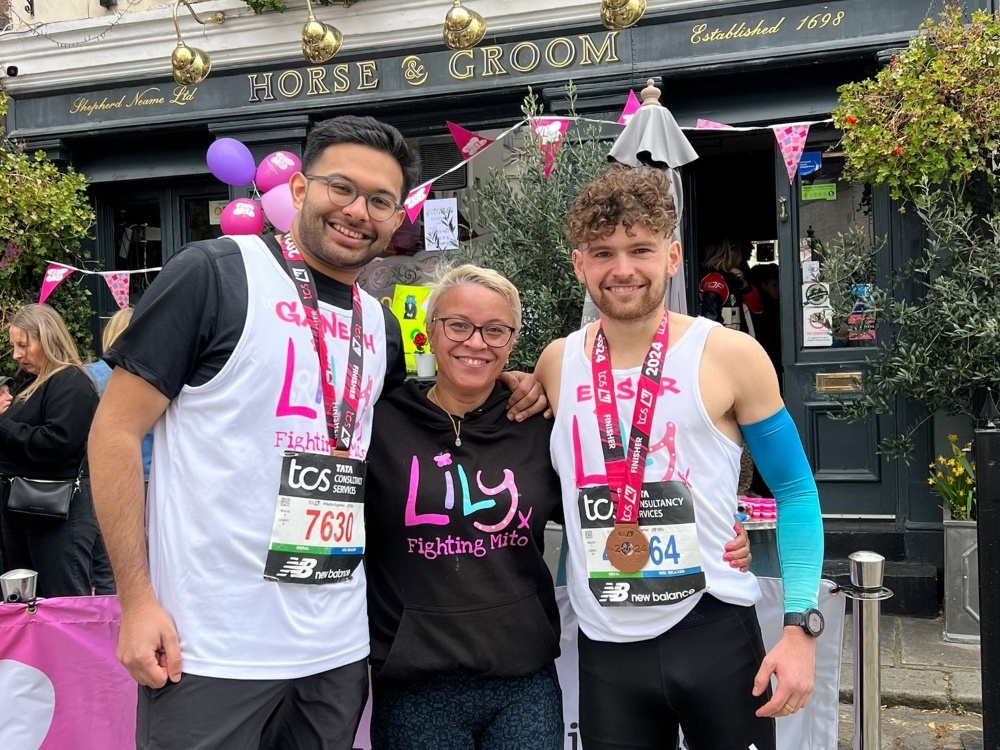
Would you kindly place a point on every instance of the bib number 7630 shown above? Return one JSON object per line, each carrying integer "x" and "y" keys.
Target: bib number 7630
{"x": 336, "y": 526}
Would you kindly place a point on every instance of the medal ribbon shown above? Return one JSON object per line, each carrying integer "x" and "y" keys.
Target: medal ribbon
{"x": 626, "y": 466}
{"x": 340, "y": 423}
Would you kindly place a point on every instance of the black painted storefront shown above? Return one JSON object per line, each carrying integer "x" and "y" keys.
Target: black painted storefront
{"x": 143, "y": 143}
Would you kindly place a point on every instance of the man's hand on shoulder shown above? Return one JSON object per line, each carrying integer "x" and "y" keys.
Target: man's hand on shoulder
{"x": 527, "y": 396}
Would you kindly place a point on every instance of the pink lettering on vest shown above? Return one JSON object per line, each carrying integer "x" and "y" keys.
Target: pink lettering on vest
{"x": 285, "y": 406}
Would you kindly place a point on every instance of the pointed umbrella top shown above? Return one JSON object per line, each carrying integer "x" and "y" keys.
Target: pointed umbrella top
{"x": 652, "y": 136}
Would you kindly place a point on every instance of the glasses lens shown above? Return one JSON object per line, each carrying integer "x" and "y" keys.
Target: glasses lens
{"x": 496, "y": 335}
{"x": 458, "y": 330}
{"x": 341, "y": 193}
{"x": 380, "y": 208}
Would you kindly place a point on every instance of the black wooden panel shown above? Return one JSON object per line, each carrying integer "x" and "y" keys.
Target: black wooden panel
{"x": 842, "y": 451}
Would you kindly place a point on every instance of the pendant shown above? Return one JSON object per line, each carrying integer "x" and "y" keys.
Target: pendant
{"x": 627, "y": 548}
{"x": 458, "y": 442}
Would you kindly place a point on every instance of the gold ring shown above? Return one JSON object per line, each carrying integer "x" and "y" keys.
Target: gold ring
{"x": 790, "y": 709}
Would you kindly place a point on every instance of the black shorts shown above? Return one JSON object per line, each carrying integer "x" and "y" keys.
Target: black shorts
{"x": 697, "y": 676}
{"x": 318, "y": 712}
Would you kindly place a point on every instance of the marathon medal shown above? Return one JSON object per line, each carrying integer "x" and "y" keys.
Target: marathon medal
{"x": 627, "y": 547}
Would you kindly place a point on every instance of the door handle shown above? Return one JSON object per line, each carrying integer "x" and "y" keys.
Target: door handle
{"x": 839, "y": 382}
{"x": 783, "y": 209}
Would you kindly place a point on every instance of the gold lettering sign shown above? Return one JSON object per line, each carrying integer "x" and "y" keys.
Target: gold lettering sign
{"x": 151, "y": 96}
{"x": 703, "y": 33}
{"x": 488, "y": 61}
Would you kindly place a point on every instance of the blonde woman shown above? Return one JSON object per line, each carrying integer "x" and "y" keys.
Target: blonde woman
{"x": 43, "y": 435}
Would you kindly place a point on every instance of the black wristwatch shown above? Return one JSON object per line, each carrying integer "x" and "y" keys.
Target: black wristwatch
{"x": 811, "y": 621}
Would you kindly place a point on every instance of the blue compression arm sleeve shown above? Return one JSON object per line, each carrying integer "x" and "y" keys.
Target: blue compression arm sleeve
{"x": 776, "y": 449}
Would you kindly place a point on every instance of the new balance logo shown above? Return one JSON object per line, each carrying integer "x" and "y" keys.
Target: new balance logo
{"x": 297, "y": 567}
{"x": 613, "y": 592}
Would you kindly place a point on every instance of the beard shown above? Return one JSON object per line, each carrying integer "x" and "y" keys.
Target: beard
{"x": 313, "y": 235}
{"x": 644, "y": 306}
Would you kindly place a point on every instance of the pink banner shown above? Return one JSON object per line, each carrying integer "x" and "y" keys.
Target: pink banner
{"x": 61, "y": 684}
{"x": 631, "y": 107}
{"x": 414, "y": 202}
{"x": 711, "y": 125}
{"x": 792, "y": 142}
{"x": 54, "y": 274}
{"x": 469, "y": 144}
{"x": 550, "y": 132}
{"x": 118, "y": 284}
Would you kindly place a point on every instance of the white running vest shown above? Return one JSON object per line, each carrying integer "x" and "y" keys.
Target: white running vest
{"x": 214, "y": 486}
{"x": 687, "y": 453}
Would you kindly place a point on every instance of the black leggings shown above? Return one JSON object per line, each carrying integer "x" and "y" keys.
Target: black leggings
{"x": 697, "y": 676}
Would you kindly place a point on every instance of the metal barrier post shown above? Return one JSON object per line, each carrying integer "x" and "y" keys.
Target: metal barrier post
{"x": 867, "y": 570}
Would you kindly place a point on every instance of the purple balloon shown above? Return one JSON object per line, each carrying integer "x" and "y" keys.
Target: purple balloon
{"x": 231, "y": 162}
{"x": 276, "y": 169}
{"x": 278, "y": 206}
{"x": 242, "y": 216}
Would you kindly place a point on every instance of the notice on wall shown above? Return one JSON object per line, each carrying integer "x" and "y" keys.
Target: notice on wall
{"x": 816, "y": 326}
{"x": 810, "y": 270}
{"x": 815, "y": 294}
{"x": 215, "y": 212}
{"x": 823, "y": 192}
{"x": 441, "y": 224}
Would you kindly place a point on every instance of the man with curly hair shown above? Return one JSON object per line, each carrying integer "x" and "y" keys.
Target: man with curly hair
{"x": 652, "y": 408}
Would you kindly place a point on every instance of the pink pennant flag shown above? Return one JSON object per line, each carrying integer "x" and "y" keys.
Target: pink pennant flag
{"x": 550, "y": 132}
{"x": 54, "y": 275}
{"x": 415, "y": 200}
{"x": 469, "y": 144}
{"x": 791, "y": 141}
{"x": 61, "y": 684}
{"x": 631, "y": 107}
{"x": 711, "y": 125}
{"x": 118, "y": 284}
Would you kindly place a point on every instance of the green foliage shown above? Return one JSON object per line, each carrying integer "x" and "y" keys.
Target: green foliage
{"x": 944, "y": 338}
{"x": 259, "y": 6}
{"x": 933, "y": 113}
{"x": 44, "y": 215}
{"x": 525, "y": 213}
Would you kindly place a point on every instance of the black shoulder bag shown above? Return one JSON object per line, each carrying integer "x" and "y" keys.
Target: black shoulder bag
{"x": 42, "y": 497}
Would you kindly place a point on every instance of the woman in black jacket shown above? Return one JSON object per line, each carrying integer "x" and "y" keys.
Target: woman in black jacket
{"x": 43, "y": 435}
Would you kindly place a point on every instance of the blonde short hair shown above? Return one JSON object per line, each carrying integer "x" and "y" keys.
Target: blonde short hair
{"x": 115, "y": 326}
{"x": 484, "y": 277}
{"x": 43, "y": 324}
{"x": 723, "y": 256}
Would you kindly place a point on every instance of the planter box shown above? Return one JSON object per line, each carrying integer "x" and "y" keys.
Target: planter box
{"x": 961, "y": 581}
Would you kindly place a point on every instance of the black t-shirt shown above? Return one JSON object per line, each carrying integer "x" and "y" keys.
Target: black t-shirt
{"x": 187, "y": 324}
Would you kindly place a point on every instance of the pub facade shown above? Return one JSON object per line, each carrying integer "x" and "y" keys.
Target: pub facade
{"x": 109, "y": 107}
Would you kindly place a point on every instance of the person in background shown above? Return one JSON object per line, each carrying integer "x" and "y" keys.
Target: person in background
{"x": 43, "y": 435}
{"x": 724, "y": 290}
{"x": 100, "y": 372}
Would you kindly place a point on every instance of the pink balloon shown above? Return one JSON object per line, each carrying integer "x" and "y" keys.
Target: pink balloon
{"x": 278, "y": 207}
{"x": 242, "y": 216}
{"x": 276, "y": 169}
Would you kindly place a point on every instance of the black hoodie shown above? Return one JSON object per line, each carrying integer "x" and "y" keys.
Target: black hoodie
{"x": 456, "y": 579}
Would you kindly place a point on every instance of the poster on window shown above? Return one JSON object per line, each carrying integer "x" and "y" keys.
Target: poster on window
{"x": 816, "y": 326}
{"x": 441, "y": 224}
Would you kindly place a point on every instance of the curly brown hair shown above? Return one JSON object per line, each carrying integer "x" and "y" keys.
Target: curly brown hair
{"x": 622, "y": 196}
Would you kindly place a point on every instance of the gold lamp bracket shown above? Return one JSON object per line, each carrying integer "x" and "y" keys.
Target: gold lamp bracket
{"x": 189, "y": 65}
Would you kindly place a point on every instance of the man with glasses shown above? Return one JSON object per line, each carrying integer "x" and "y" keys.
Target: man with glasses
{"x": 258, "y": 359}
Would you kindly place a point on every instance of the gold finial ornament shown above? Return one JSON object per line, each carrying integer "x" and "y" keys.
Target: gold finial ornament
{"x": 621, "y": 14}
{"x": 463, "y": 28}
{"x": 320, "y": 41}
{"x": 189, "y": 65}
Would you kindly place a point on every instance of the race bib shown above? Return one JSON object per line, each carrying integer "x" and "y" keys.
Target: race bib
{"x": 674, "y": 569}
{"x": 318, "y": 535}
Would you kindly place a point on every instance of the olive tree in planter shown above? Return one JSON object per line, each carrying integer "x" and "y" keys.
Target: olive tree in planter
{"x": 521, "y": 214}
{"x": 928, "y": 127}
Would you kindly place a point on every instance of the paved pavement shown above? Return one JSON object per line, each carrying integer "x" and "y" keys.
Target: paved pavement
{"x": 931, "y": 689}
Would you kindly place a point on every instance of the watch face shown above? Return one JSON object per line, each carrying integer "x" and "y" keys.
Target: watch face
{"x": 814, "y": 622}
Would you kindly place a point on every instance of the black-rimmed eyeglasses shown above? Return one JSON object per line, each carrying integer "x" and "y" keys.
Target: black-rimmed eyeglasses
{"x": 343, "y": 193}
{"x": 495, "y": 335}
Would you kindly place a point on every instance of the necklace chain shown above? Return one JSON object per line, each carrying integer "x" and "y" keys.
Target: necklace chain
{"x": 456, "y": 424}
